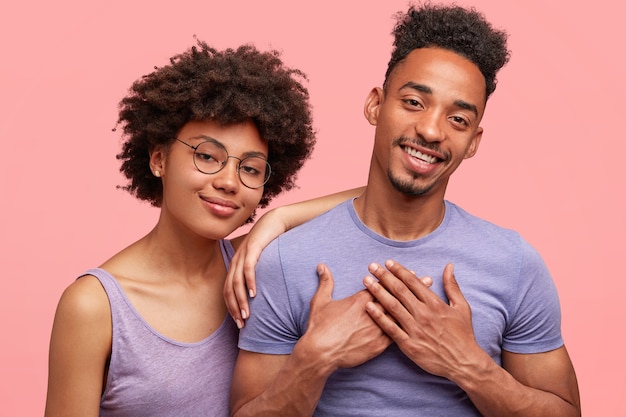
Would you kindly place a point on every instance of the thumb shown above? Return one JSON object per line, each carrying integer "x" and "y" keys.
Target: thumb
{"x": 452, "y": 289}
{"x": 324, "y": 292}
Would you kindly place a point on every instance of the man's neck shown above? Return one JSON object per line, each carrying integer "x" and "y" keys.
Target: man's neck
{"x": 400, "y": 217}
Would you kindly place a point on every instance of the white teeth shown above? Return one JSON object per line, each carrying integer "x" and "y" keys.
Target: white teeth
{"x": 419, "y": 155}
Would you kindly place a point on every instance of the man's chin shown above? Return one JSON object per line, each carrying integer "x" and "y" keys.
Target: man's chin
{"x": 409, "y": 188}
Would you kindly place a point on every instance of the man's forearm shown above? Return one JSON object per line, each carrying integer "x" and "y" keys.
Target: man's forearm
{"x": 496, "y": 393}
{"x": 294, "y": 392}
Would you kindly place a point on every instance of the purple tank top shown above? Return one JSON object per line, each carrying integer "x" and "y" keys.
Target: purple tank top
{"x": 152, "y": 375}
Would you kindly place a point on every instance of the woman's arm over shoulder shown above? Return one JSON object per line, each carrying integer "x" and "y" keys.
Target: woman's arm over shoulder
{"x": 79, "y": 349}
{"x": 249, "y": 247}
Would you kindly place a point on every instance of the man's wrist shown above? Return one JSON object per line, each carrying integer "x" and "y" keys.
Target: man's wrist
{"x": 313, "y": 361}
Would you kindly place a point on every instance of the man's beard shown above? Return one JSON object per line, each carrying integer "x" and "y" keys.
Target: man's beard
{"x": 407, "y": 187}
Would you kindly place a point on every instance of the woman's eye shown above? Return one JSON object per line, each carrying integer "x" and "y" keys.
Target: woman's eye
{"x": 250, "y": 170}
{"x": 206, "y": 157}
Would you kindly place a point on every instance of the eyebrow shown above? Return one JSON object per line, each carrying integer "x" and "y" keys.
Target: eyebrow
{"x": 205, "y": 138}
{"x": 462, "y": 104}
{"x": 419, "y": 87}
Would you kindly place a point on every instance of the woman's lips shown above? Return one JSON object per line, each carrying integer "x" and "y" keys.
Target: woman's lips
{"x": 220, "y": 206}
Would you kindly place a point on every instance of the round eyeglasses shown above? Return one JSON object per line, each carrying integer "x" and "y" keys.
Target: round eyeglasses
{"x": 211, "y": 157}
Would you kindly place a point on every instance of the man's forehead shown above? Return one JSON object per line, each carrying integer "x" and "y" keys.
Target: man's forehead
{"x": 436, "y": 70}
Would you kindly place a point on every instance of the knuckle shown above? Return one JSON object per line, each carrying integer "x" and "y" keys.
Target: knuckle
{"x": 397, "y": 287}
{"x": 394, "y": 305}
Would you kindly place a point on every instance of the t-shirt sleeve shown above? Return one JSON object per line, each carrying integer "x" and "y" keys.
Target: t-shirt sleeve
{"x": 271, "y": 327}
{"x": 535, "y": 326}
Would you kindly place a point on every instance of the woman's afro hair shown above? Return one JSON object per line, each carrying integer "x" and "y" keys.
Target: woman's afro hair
{"x": 230, "y": 86}
{"x": 464, "y": 31}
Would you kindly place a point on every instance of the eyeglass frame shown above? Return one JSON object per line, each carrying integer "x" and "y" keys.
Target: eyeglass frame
{"x": 224, "y": 163}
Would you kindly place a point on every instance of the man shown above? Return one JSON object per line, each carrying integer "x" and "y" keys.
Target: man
{"x": 485, "y": 339}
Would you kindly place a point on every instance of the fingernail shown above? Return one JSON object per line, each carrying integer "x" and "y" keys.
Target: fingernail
{"x": 239, "y": 324}
{"x": 251, "y": 292}
{"x": 373, "y": 267}
{"x": 368, "y": 281}
{"x": 244, "y": 314}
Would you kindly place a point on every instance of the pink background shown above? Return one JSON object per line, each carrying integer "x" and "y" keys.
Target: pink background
{"x": 550, "y": 164}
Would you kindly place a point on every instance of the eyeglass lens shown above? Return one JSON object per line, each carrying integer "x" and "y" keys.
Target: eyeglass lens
{"x": 211, "y": 158}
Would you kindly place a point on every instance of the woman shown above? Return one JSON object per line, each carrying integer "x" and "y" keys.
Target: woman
{"x": 208, "y": 139}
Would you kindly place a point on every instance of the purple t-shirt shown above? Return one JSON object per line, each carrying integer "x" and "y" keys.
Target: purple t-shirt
{"x": 513, "y": 299}
{"x": 153, "y": 375}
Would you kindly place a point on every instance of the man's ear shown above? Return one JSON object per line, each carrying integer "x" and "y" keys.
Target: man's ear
{"x": 473, "y": 147}
{"x": 157, "y": 161}
{"x": 372, "y": 105}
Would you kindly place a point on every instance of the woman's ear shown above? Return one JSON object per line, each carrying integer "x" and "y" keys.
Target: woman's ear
{"x": 157, "y": 161}
{"x": 372, "y": 105}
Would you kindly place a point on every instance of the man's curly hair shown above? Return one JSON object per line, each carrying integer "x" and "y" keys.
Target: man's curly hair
{"x": 230, "y": 86}
{"x": 460, "y": 30}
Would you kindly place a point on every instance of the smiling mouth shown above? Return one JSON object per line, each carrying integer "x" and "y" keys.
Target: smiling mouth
{"x": 419, "y": 155}
{"x": 220, "y": 202}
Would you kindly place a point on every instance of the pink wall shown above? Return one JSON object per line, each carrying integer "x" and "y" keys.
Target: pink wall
{"x": 550, "y": 163}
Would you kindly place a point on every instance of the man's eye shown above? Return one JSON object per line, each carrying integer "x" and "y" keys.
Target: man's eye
{"x": 460, "y": 120}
